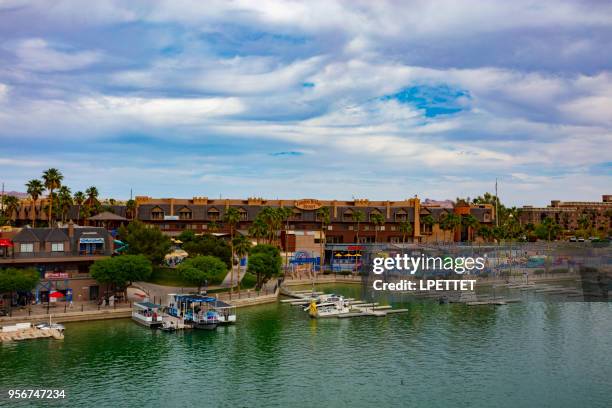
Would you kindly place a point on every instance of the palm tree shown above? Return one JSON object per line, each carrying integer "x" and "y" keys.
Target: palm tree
{"x": 324, "y": 217}
{"x": 231, "y": 218}
{"x": 485, "y": 232}
{"x": 35, "y": 189}
{"x": 471, "y": 223}
{"x": 358, "y": 216}
{"x": 405, "y": 227}
{"x": 450, "y": 222}
{"x": 242, "y": 247}
{"x": 258, "y": 229}
{"x": 284, "y": 213}
{"x": 92, "y": 200}
{"x": 130, "y": 208}
{"x": 430, "y": 222}
{"x": 52, "y": 179}
{"x": 64, "y": 198}
{"x": 79, "y": 199}
{"x": 11, "y": 205}
{"x": 378, "y": 220}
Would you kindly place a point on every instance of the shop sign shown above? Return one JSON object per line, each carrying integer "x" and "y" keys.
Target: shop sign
{"x": 91, "y": 240}
{"x": 57, "y": 275}
{"x": 308, "y": 204}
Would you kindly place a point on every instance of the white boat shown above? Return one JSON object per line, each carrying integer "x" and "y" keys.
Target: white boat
{"x": 333, "y": 307}
{"x": 147, "y": 314}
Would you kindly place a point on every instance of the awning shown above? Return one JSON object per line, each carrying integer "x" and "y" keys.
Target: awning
{"x": 4, "y": 242}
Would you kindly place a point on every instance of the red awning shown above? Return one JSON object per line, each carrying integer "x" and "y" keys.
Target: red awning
{"x": 4, "y": 242}
{"x": 56, "y": 295}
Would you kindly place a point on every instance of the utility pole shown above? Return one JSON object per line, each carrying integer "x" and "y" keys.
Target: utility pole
{"x": 496, "y": 205}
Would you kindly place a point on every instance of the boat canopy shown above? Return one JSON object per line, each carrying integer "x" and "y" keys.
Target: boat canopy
{"x": 146, "y": 305}
{"x": 201, "y": 299}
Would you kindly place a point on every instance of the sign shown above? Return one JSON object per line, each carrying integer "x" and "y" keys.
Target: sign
{"x": 308, "y": 204}
{"x": 171, "y": 217}
{"x": 57, "y": 275}
{"x": 91, "y": 240}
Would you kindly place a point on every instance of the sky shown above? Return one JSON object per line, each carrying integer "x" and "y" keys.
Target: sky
{"x": 322, "y": 99}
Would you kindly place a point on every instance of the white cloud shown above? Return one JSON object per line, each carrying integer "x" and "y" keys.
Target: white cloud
{"x": 35, "y": 54}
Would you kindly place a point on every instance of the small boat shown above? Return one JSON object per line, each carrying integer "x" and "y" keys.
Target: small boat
{"x": 168, "y": 327}
{"x": 207, "y": 320}
{"x": 329, "y": 308}
{"x": 147, "y": 314}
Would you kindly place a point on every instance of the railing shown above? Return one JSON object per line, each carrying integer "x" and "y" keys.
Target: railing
{"x": 54, "y": 254}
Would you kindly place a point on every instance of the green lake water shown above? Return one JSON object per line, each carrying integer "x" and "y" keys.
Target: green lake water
{"x": 531, "y": 354}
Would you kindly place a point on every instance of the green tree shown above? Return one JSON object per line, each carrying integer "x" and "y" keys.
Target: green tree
{"x": 232, "y": 219}
{"x": 143, "y": 240}
{"x": 202, "y": 269}
{"x": 121, "y": 271}
{"x": 450, "y": 222}
{"x": 324, "y": 217}
{"x": 258, "y": 229}
{"x": 405, "y": 227}
{"x": 358, "y": 217}
{"x": 242, "y": 247}
{"x": 64, "y": 197}
{"x": 79, "y": 199}
{"x": 471, "y": 223}
{"x": 53, "y": 180}
{"x": 209, "y": 245}
{"x": 130, "y": 209}
{"x": 548, "y": 229}
{"x": 265, "y": 263}
{"x": 11, "y": 206}
{"x": 35, "y": 189}
{"x": 378, "y": 220}
{"x": 18, "y": 280}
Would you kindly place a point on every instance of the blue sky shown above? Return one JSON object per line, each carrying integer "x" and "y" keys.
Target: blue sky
{"x": 325, "y": 99}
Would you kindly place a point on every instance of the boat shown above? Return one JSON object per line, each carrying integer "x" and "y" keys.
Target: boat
{"x": 168, "y": 327}
{"x": 334, "y": 307}
{"x": 147, "y": 314}
{"x": 200, "y": 311}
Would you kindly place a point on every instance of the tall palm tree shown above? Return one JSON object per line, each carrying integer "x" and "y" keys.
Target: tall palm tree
{"x": 52, "y": 179}
{"x": 405, "y": 227}
{"x": 64, "y": 198}
{"x": 130, "y": 208}
{"x": 450, "y": 222}
{"x": 11, "y": 205}
{"x": 324, "y": 217}
{"x": 283, "y": 214}
{"x": 471, "y": 223}
{"x": 378, "y": 220}
{"x": 231, "y": 218}
{"x": 92, "y": 200}
{"x": 258, "y": 229}
{"x": 430, "y": 222}
{"x": 358, "y": 217}
{"x": 35, "y": 189}
{"x": 79, "y": 199}
{"x": 242, "y": 247}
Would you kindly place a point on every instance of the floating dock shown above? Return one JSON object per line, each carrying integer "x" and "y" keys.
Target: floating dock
{"x": 25, "y": 331}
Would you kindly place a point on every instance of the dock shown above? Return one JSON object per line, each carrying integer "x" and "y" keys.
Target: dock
{"x": 25, "y": 331}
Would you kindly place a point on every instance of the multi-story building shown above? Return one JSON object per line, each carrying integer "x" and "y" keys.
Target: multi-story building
{"x": 61, "y": 255}
{"x": 572, "y": 215}
{"x": 201, "y": 214}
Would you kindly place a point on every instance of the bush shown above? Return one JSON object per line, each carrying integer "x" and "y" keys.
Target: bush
{"x": 539, "y": 272}
{"x": 559, "y": 270}
{"x": 248, "y": 281}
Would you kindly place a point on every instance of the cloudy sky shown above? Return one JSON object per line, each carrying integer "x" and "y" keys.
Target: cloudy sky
{"x": 325, "y": 99}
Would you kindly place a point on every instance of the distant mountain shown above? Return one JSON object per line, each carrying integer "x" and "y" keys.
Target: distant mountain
{"x": 15, "y": 193}
{"x": 438, "y": 203}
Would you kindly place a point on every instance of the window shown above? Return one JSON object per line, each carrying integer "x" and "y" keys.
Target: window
{"x": 185, "y": 214}
{"x": 57, "y": 247}
{"x": 157, "y": 214}
{"x": 393, "y": 228}
{"x": 213, "y": 214}
{"x": 401, "y": 215}
{"x": 244, "y": 215}
{"x": 26, "y": 248}
{"x": 347, "y": 215}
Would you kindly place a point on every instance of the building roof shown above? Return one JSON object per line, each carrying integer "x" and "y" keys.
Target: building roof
{"x": 56, "y": 235}
{"x": 107, "y": 216}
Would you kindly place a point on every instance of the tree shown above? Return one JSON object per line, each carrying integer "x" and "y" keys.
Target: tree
{"x": 18, "y": 280}
{"x": 485, "y": 232}
{"x": 92, "y": 202}
{"x": 79, "y": 199}
{"x": 378, "y": 220}
{"x": 209, "y": 245}
{"x": 130, "y": 209}
{"x": 122, "y": 270}
{"x": 53, "y": 180}
{"x": 231, "y": 218}
{"x": 405, "y": 227}
{"x": 471, "y": 223}
{"x": 358, "y": 216}
{"x": 242, "y": 247}
{"x": 65, "y": 202}
{"x": 429, "y": 221}
{"x": 202, "y": 269}
{"x": 35, "y": 189}
{"x": 323, "y": 214}
{"x": 143, "y": 240}
{"x": 548, "y": 229}
{"x": 450, "y": 222}
{"x": 258, "y": 229}
{"x": 11, "y": 206}
{"x": 264, "y": 262}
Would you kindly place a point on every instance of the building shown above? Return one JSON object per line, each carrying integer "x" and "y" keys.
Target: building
{"x": 62, "y": 255}
{"x": 201, "y": 215}
{"x": 572, "y": 215}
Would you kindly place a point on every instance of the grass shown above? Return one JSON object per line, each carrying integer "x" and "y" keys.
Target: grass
{"x": 167, "y": 277}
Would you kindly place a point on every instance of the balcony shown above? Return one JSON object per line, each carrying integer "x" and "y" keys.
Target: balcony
{"x": 47, "y": 256}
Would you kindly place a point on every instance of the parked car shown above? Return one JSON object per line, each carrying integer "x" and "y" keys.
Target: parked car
{"x": 580, "y": 239}
{"x": 572, "y": 239}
